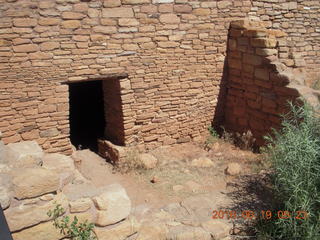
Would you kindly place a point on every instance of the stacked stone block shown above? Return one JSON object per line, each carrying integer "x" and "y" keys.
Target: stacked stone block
{"x": 172, "y": 51}
{"x": 259, "y": 85}
{"x": 300, "y": 20}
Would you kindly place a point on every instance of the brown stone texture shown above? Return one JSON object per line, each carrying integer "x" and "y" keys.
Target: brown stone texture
{"x": 173, "y": 53}
{"x": 259, "y": 84}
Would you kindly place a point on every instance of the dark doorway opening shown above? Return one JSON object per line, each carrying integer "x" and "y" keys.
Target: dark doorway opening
{"x": 87, "y": 120}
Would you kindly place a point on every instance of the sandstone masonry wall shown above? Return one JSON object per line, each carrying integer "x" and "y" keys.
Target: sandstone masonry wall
{"x": 259, "y": 85}
{"x": 172, "y": 52}
{"x": 300, "y": 20}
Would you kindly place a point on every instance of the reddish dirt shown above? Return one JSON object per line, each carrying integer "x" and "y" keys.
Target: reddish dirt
{"x": 173, "y": 170}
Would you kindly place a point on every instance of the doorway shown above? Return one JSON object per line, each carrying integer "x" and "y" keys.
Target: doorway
{"x": 87, "y": 121}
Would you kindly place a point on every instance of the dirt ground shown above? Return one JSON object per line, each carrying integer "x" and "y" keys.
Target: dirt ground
{"x": 175, "y": 178}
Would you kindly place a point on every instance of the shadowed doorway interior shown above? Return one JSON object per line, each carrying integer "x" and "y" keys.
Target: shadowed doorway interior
{"x": 86, "y": 114}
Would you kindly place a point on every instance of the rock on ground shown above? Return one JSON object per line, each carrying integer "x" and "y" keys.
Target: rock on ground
{"x": 148, "y": 161}
{"x": 114, "y": 205}
{"x": 58, "y": 162}
{"x": 33, "y": 182}
{"x": 80, "y": 190}
{"x": 61, "y": 164}
{"x": 28, "y": 215}
{"x": 202, "y": 162}
{"x": 44, "y": 231}
{"x": 119, "y": 232}
{"x": 80, "y": 205}
{"x": 233, "y": 169}
{"x": 153, "y": 230}
{"x": 24, "y": 154}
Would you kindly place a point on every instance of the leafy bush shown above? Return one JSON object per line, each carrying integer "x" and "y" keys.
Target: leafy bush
{"x": 294, "y": 152}
{"x": 73, "y": 230}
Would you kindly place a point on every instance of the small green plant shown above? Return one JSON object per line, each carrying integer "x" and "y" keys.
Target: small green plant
{"x": 212, "y": 138}
{"x": 294, "y": 152}
{"x": 227, "y": 136}
{"x": 213, "y": 132}
{"x": 73, "y": 230}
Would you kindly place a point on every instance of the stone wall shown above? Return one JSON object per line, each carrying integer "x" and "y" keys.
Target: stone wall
{"x": 300, "y": 20}
{"x": 259, "y": 84}
{"x": 172, "y": 52}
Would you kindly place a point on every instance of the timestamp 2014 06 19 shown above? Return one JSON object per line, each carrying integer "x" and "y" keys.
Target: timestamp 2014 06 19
{"x": 263, "y": 214}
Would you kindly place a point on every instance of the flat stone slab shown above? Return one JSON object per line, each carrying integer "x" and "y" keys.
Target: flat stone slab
{"x": 28, "y": 215}
{"x": 23, "y": 154}
{"x": 82, "y": 190}
{"x": 34, "y": 182}
{"x": 188, "y": 233}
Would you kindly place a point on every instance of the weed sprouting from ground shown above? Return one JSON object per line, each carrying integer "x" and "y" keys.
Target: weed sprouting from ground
{"x": 211, "y": 139}
{"x": 244, "y": 141}
{"x": 74, "y": 229}
{"x": 132, "y": 162}
{"x": 294, "y": 152}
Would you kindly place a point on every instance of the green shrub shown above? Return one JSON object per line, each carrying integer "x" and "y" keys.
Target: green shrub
{"x": 294, "y": 152}
{"x": 73, "y": 230}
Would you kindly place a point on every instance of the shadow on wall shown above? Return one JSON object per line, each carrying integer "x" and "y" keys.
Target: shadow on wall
{"x": 219, "y": 113}
{"x": 113, "y": 111}
{"x": 256, "y": 84}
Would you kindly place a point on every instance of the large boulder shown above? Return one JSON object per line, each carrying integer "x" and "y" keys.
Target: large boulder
{"x": 23, "y": 154}
{"x": 113, "y": 205}
{"x": 61, "y": 164}
{"x": 24, "y": 216}
{"x": 33, "y": 182}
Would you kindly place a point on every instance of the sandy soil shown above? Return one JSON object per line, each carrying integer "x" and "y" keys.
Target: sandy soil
{"x": 175, "y": 178}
